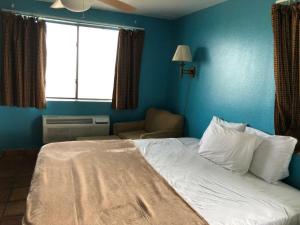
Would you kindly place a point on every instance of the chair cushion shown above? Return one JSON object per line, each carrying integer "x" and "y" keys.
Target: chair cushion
{"x": 157, "y": 120}
{"x": 132, "y": 134}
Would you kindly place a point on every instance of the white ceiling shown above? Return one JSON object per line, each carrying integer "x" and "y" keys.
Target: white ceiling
{"x": 168, "y": 9}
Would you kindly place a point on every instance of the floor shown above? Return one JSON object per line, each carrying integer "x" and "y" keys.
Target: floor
{"x": 16, "y": 169}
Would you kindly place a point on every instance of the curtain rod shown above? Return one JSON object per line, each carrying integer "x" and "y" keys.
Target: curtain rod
{"x": 72, "y": 21}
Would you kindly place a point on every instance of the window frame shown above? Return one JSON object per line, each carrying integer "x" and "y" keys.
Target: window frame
{"x": 78, "y": 25}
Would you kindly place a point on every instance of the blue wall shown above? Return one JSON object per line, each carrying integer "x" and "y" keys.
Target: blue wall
{"x": 232, "y": 45}
{"x": 21, "y": 128}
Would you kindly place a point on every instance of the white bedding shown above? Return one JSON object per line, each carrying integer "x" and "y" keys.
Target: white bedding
{"x": 221, "y": 197}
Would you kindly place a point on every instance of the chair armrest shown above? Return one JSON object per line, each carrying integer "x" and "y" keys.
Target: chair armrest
{"x": 163, "y": 134}
{"x": 128, "y": 126}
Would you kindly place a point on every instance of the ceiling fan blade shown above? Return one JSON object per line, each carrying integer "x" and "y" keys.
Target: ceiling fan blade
{"x": 119, "y": 5}
{"x": 57, "y": 5}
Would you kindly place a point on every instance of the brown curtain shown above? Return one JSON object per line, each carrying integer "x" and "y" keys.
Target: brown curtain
{"x": 286, "y": 21}
{"x": 22, "y": 81}
{"x": 127, "y": 72}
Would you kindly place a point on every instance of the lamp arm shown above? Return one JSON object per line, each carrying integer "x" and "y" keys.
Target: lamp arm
{"x": 191, "y": 71}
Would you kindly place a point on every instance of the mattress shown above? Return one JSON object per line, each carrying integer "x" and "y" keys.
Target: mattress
{"x": 220, "y": 196}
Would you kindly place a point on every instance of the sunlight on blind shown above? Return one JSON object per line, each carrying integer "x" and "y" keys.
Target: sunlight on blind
{"x": 61, "y": 61}
{"x": 96, "y": 50}
{"x": 97, "y": 58}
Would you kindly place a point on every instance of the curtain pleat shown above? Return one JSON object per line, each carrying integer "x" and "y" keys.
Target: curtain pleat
{"x": 127, "y": 71}
{"x": 22, "y": 81}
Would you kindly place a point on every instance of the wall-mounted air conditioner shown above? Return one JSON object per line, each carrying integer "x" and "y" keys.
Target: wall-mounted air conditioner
{"x": 68, "y": 128}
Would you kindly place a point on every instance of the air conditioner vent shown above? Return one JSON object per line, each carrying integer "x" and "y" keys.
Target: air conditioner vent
{"x": 68, "y": 128}
{"x": 70, "y": 121}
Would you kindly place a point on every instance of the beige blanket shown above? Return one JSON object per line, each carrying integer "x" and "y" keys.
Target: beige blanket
{"x": 102, "y": 182}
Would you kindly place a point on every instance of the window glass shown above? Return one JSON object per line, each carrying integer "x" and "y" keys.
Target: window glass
{"x": 91, "y": 62}
{"x": 97, "y": 58}
{"x": 61, "y": 60}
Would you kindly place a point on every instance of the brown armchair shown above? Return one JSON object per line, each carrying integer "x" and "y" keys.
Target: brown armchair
{"x": 157, "y": 124}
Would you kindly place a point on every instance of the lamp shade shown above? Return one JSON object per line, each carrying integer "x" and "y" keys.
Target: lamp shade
{"x": 183, "y": 54}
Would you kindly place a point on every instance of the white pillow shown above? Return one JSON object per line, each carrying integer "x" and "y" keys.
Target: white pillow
{"x": 272, "y": 158}
{"x": 229, "y": 148}
{"x": 237, "y": 126}
{"x": 216, "y": 120}
{"x": 260, "y": 133}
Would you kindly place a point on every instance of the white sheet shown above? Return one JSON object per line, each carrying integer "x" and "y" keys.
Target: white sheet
{"x": 221, "y": 197}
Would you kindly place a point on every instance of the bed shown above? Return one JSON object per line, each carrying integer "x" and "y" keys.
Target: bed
{"x": 187, "y": 188}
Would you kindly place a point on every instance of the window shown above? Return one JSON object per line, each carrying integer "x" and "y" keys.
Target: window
{"x": 80, "y": 62}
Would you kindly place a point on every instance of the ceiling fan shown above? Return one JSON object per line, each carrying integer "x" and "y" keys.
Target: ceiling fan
{"x": 84, "y": 5}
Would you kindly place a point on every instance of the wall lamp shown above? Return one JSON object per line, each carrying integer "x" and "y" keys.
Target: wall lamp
{"x": 183, "y": 55}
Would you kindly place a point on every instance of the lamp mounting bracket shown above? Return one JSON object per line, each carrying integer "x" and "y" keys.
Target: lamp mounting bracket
{"x": 190, "y": 72}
